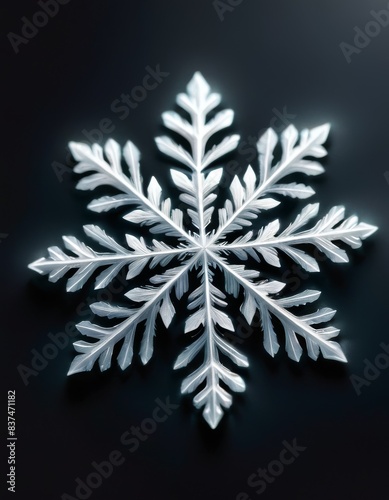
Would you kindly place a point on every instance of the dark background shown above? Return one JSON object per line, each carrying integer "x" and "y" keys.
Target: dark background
{"x": 263, "y": 56}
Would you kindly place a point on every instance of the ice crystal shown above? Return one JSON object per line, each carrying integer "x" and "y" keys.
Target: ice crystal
{"x": 208, "y": 242}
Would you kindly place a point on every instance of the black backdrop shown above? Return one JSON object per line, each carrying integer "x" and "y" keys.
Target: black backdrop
{"x": 268, "y": 58}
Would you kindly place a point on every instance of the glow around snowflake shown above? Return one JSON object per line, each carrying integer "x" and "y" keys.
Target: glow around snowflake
{"x": 204, "y": 249}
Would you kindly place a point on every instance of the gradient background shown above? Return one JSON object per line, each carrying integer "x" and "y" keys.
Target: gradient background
{"x": 263, "y": 56}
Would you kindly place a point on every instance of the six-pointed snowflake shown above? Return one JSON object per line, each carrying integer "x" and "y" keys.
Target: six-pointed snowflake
{"x": 204, "y": 247}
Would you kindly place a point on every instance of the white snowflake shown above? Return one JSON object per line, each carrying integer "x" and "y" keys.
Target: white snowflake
{"x": 204, "y": 247}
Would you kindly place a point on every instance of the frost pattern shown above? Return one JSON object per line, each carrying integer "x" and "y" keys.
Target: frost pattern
{"x": 203, "y": 249}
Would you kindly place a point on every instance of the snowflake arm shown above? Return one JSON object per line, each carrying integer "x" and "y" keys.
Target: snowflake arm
{"x": 156, "y": 301}
{"x": 207, "y": 300}
{"x": 332, "y": 227}
{"x": 198, "y": 188}
{"x": 257, "y": 298}
{"x": 152, "y": 210}
{"x": 88, "y": 261}
{"x": 248, "y": 200}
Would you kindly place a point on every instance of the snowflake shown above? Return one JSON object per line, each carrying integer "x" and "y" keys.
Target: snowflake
{"x": 207, "y": 244}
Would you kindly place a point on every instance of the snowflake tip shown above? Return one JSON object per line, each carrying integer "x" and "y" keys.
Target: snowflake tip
{"x": 367, "y": 229}
{"x": 198, "y": 84}
{"x": 213, "y": 417}
{"x": 35, "y": 266}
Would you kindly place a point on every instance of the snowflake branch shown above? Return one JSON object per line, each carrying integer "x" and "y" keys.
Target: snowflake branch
{"x": 332, "y": 227}
{"x": 152, "y": 211}
{"x": 198, "y": 102}
{"x": 107, "y": 337}
{"x": 213, "y": 397}
{"x": 88, "y": 261}
{"x": 317, "y": 339}
{"x": 292, "y": 160}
